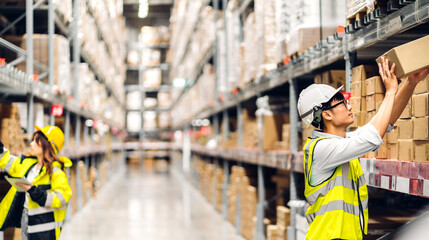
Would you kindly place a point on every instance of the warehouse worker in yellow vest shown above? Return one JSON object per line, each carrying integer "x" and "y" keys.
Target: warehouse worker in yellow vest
{"x": 335, "y": 186}
{"x": 40, "y": 211}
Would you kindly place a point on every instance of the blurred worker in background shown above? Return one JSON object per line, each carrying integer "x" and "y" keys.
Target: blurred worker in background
{"x": 335, "y": 186}
{"x": 40, "y": 211}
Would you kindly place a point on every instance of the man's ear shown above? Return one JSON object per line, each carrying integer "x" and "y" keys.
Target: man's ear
{"x": 327, "y": 115}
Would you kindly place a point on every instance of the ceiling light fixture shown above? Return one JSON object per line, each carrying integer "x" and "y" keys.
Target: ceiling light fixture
{"x": 143, "y": 8}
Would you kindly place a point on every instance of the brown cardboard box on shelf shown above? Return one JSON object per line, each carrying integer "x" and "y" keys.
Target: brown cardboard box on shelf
{"x": 272, "y": 129}
{"x": 405, "y": 150}
{"x": 409, "y": 58}
{"x": 356, "y": 89}
{"x": 392, "y": 151}
{"x": 374, "y": 85}
{"x": 335, "y": 78}
{"x": 372, "y": 100}
{"x": 363, "y": 72}
{"x": 420, "y": 128}
{"x": 420, "y": 105}
{"x": 392, "y": 136}
{"x": 421, "y": 151}
{"x": 355, "y": 103}
{"x": 423, "y": 86}
{"x": 405, "y": 128}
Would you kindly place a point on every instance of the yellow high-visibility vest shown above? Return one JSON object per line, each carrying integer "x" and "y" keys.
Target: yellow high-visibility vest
{"x": 46, "y": 212}
{"x": 339, "y": 205}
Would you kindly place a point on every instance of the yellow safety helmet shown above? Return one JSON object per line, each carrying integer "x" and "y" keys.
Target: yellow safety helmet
{"x": 54, "y": 135}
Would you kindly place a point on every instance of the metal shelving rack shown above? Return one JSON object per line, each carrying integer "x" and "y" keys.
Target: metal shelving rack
{"x": 405, "y": 177}
{"x": 14, "y": 80}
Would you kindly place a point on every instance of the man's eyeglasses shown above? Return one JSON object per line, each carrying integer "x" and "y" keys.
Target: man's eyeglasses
{"x": 339, "y": 103}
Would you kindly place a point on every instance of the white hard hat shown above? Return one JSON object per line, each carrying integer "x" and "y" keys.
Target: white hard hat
{"x": 311, "y": 99}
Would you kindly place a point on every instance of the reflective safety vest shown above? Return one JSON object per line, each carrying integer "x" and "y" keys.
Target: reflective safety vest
{"x": 339, "y": 205}
{"x": 47, "y": 204}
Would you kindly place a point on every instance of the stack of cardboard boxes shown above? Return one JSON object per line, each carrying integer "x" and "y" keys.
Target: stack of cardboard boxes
{"x": 334, "y": 78}
{"x": 278, "y": 231}
{"x": 241, "y": 190}
{"x": 358, "y": 98}
{"x": 413, "y": 126}
{"x": 11, "y": 134}
{"x": 219, "y": 188}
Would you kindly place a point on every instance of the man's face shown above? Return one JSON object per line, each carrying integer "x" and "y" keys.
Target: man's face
{"x": 341, "y": 113}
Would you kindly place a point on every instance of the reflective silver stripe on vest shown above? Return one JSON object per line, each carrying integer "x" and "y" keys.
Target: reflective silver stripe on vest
{"x": 307, "y": 154}
{"x": 9, "y": 163}
{"x": 44, "y": 227}
{"x": 49, "y": 199}
{"x": 332, "y": 206}
{"x": 61, "y": 198}
{"x": 42, "y": 210}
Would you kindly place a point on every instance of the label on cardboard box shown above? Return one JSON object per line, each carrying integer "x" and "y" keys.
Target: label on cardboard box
{"x": 372, "y": 100}
{"x": 405, "y": 150}
{"x": 405, "y": 127}
{"x": 374, "y": 85}
{"x": 421, "y": 151}
{"x": 420, "y": 105}
{"x": 420, "y": 128}
{"x": 409, "y": 58}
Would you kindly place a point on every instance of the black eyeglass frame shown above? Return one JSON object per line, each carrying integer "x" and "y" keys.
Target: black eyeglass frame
{"x": 333, "y": 106}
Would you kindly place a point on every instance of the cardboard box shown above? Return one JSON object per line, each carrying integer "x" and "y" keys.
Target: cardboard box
{"x": 420, "y": 105}
{"x": 374, "y": 85}
{"x": 420, "y": 128}
{"x": 407, "y": 110}
{"x": 369, "y": 116}
{"x": 421, "y": 151}
{"x": 423, "y": 86}
{"x": 272, "y": 129}
{"x": 355, "y": 103}
{"x": 405, "y": 150}
{"x": 392, "y": 136}
{"x": 405, "y": 128}
{"x": 409, "y": 58}
{"x": 392, "y": 151}
{"x": 335, "y": 78}
{"x": 356, "y": 89}
{"x": 372, "y": 100}
{"x": 363, "y": 72}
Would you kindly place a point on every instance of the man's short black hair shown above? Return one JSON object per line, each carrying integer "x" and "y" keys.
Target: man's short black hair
{"x": 337, "y": 97}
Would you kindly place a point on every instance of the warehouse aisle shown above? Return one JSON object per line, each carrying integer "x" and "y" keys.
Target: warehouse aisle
{"x": 147, "y": 205}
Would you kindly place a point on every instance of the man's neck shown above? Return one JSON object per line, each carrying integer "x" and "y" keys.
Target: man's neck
{"x": 335, "y": 131}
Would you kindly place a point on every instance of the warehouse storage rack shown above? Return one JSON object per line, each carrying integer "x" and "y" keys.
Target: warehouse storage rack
{"x": 361, "y": 43}
{"x": 15, "y": 82}
{"x": 156, "y": 148}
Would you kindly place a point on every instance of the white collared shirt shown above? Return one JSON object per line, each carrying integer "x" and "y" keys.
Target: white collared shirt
{"x": 332, "y": 152}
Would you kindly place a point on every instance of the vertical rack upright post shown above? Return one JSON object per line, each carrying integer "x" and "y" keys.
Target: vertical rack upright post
{"x": 51, "y": 30}
{"x": 29, "y": 61}
{"x": 293, "y": 115}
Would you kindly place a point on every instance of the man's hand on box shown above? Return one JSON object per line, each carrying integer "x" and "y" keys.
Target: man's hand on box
{"x": 417, "y": 77}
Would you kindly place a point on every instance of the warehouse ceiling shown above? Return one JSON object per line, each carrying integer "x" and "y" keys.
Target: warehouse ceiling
{"x": 159, "y": 13}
